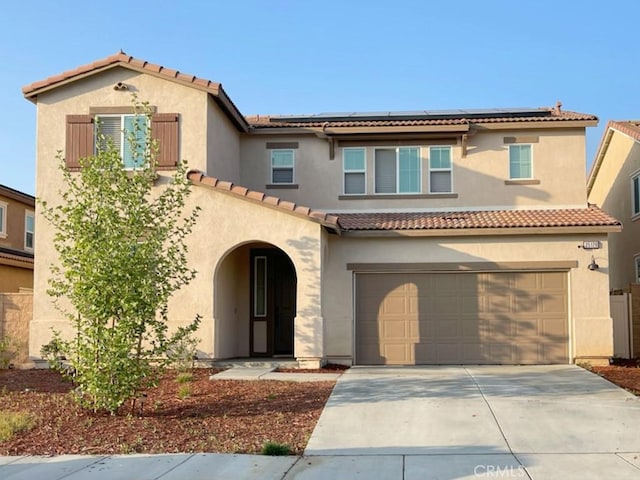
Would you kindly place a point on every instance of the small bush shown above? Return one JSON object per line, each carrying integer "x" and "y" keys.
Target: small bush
{"x": 184, "y": 391}
{"x": 276, "y": 449}
{"x": 184, "y": 377}
{"x": 183, "y": 352}
{"x": 14, "y": 422}
{"x": 7, "y": 351}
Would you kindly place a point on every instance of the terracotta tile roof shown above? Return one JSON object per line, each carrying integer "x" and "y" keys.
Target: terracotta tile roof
{"x": 545, "y": 115}
{"x": 628, "y": 127}
{"x": 199, "y": 178}
{"x": 15, "y": 255}
{"x": 214, "y": 88}
{"x": 585, "y": 217}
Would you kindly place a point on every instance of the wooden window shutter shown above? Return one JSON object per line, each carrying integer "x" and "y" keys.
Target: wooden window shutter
{"x": 164, "y": 129}
{"x": 79, "y": 142}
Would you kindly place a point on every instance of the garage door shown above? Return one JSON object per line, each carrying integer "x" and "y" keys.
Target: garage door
{"x": 458, "y": 318}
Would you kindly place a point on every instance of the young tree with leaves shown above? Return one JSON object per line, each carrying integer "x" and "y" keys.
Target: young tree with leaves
{"x": 122, "y": 254}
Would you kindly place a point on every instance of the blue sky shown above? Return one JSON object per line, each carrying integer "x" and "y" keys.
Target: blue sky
{"x": 317, "y": 56}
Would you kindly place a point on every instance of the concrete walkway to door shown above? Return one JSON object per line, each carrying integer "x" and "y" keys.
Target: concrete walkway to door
{"x": 538, "y": 422}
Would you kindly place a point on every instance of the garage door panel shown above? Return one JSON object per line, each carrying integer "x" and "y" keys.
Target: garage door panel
{"x": 504, "y": 317}
{"x": 553, "y": 280}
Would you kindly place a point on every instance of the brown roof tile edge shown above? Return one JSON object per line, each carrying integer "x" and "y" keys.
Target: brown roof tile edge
{"x": 628, "y": 127}
{"x": 479, "y": 220}
{"x": 197, "y": 177}
{"x": 214, "y": 88}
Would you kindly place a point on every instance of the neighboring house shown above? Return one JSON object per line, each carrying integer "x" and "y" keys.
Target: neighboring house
{"x": 614, "y": 185}
{"x": 17, "y": 231}
{"x": 443, "y": 237}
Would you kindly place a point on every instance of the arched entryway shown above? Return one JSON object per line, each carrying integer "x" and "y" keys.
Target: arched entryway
{"x": 254, "y": 302}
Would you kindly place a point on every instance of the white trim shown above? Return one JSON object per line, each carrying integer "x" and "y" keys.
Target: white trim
{"x": 344, "y": 171}
{"x": 255, "y": 286}
{"x": 3, "y": 220}
{"x": 530, "y": 145}
{"x": 450, "y": 169}
{"x": 293, "y": 166}
{"x": 634, "y": 214}
{"x": 397, "y": 150}
{"x": 29, "y": 213}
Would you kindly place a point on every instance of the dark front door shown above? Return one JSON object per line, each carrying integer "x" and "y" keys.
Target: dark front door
{"x": 273, "y": 305}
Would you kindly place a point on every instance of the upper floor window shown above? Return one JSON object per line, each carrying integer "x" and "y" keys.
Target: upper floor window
{"x": 282, "y": 166}
{"x": 354, "y": 163}
{"x": 637, "y": 263}
{"x": 29, "y": 230}
{"x": 127, "y": 133}
{"x": 520, "y": 162}
{"x": 397, "y": 170}
{"x": 440, "y": 170}
{"x": 3, "y": 220}
{"x": 635, "y": 193}
{"x": 81, "y": 135}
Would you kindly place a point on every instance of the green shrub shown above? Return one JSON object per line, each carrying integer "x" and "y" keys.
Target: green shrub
{"x": 14, "y": 422}
{"x": 275, "y": 449}
{"x": 7, "y": 351}
{"x": 184, "y": 377}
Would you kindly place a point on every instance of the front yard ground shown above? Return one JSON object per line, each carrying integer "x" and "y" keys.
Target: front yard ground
{"x": 626, "y": 376}
{"x": 179, "y": 416}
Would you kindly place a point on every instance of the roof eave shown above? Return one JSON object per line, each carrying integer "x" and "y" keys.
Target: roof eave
{"x": 536, "y": 125}
{"x": 213, "y": 88}
{"x": 481, "y": 232}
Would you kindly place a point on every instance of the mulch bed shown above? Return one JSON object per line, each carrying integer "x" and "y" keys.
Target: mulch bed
{"x": 226, "y": 416}
{"x": 626, "y": 375}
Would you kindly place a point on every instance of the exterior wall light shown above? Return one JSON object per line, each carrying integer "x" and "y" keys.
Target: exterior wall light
{"x": 593, "y": 265}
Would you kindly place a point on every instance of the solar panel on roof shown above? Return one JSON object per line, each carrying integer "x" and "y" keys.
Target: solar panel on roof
{"x": 415, "y": 115}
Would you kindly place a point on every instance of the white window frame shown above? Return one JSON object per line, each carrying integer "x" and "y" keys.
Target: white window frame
{"x": 635, "y": 176}
{"x": 397, "y": 149}
{"x": 450, "y": 169}
{"x": 3, "y": 220}
{"x": 27, "y": 214}
{"x": 345, "y": 171}
{"x": 123, "y": 137}
{"x": 509, "y": 147}
{"x": 293, "y": 166}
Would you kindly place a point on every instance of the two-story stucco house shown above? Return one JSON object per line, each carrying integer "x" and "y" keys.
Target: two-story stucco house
{"x": 17, "y": 240}
{"x": 445, "y": 237}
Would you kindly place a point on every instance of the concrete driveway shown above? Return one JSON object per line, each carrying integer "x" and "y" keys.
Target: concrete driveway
{"x": 539, "y": 422}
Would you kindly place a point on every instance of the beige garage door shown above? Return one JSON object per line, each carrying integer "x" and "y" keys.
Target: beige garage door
{"x": 461, "y": 318}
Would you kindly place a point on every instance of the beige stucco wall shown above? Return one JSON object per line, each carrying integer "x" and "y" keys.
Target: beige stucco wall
{"x": 217, "y": 252}
{"x": 612, "y": 191}
{"x": 590, "y": 322}
{"x": 16, "y": 310}
{"x": 223, "y": 145}
{"x": 77, "y": 98}
{"x": 558, "y": 163}
{"x": 13, "y": 278}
